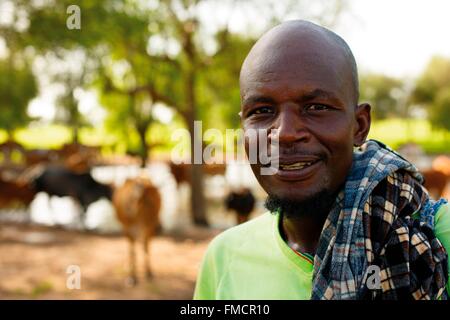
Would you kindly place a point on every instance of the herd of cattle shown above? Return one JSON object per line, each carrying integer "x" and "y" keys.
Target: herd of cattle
{"x": 67, "y": 172}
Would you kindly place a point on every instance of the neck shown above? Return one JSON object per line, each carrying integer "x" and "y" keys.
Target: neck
{"x": 301, "y": 222}
{"x": 302, "y": 233}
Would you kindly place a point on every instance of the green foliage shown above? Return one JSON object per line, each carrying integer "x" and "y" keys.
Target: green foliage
{"x": 219, "y": 88}
{"x": 440, "y": 112}
{"x": 120, "y": 119}
{"x": 382, "y": 92}
{"x": 47, "y": 24}
{"x": 17, "y": 87}
{"x": 68, "y": 112}
{"x": 432, "y": 90}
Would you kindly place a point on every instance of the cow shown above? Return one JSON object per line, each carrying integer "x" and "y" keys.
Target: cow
{"x": 242, "y": 202}
{"x": 438, "y": 176}
{"x": 40, "y": 156}
{"x": 14, "y": 193}
{"x": 75, "y": 157}
{"x": 69, "y": 149}
{"x": 181, "y": 172}
{"x": 78, "y": 157}
{"x": 442, "y": 163}
{"x": 82, "y": 187}
{"x": 137, "y": 203}
{"x": 435, "y": 182}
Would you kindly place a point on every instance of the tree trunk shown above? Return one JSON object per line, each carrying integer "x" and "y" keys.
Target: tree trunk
{"x": 9, "y": 134}
{"x": 75, "y": 131}
{"x": 198, "y": 210}
{"x": 144, "y": 146}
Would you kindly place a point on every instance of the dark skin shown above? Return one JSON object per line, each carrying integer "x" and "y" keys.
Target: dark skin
{"x": 298, "y": 79}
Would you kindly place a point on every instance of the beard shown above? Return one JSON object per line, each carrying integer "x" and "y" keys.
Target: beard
{"x": 317, "y": 206}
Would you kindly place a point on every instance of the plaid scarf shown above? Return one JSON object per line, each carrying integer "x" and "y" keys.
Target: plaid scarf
{"x": 371, "y": 225}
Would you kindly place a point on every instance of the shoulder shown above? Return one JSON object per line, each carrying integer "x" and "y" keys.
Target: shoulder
{"x": 442, "y": 218}
{"x": 224, "y": 248}
{"x": 253, "y": 230}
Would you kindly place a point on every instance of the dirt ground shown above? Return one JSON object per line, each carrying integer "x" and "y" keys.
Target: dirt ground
{"x": 34, "y": 261}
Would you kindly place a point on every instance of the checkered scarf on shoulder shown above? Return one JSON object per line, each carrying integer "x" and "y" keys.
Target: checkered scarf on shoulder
{"x": 371, "y": 224}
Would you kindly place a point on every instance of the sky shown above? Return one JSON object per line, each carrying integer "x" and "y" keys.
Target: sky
{"x": 394, "y": 37}
{"x": 397, "y": 37}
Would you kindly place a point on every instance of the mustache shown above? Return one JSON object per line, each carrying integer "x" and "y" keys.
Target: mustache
{"x": 297, "y": 151}
{"x": 284, "y": 153}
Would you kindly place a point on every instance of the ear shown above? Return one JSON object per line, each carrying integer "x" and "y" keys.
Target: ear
{"x": 363, "y": 121}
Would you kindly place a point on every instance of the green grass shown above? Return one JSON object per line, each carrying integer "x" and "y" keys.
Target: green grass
{"x": 395, "y": 132}
{"x": 45, "y": 137}
{"x": 53, "y": 136}
{"x": 41, "y": 288}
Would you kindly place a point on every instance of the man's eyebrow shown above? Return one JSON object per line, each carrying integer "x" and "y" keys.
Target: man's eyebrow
{"x": 316, "y": 93}
{"x": 257, "y": 99}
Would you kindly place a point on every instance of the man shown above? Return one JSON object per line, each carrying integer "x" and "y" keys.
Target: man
{"x": 344, "y": 212}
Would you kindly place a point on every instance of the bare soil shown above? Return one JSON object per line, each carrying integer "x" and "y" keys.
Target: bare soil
{"x": 34, "y": 260}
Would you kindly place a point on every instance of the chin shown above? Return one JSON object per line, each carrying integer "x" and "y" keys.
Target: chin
{"x": 295, "y": 195}
{"x": 293, "y": 190}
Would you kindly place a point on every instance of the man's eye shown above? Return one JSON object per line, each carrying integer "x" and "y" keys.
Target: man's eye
{"x": 262, "y": 110}
{"x": 316, "y": 107}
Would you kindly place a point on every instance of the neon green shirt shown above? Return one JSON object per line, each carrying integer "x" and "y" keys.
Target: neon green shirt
{"x": 252, "y": 261}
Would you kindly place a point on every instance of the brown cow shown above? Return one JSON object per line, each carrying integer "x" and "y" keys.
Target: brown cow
{"x": 442, "y": 163}
{"x": 181, "y": 171}
{"x": 13, "y": 193}
{"x": 438, "y": 177}
{"x": 78, "y": 157}
{"x": 435, "y": 182}
{"x": 40, "y": 156}
{"x": 78, "y": 163}
{"x": 137, "y": 203}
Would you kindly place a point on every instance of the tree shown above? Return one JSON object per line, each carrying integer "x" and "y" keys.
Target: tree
{"x": 383, "y": 93}
{"x": 440, "y": 115}
{"x": 432, "y": 91}
{"x": 130, "y": 112}
{"x": 17, "y": 87}
{"x": 72, "y": 79}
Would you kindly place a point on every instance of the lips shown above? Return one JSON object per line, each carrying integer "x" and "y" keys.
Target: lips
{"x": 296, "y": 168}
{"x": 295, "y": 165}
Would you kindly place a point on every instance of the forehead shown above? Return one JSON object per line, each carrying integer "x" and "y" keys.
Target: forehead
{"x": 293, "y": 67}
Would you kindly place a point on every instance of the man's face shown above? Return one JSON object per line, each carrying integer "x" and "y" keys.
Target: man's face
{"x": 307, "y": 95}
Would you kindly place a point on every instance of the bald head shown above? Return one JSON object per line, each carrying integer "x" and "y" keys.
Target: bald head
{"x": 297, "y": 47}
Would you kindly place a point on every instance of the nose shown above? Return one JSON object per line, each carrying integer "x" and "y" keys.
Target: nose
{"x": 290, "y": 125}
